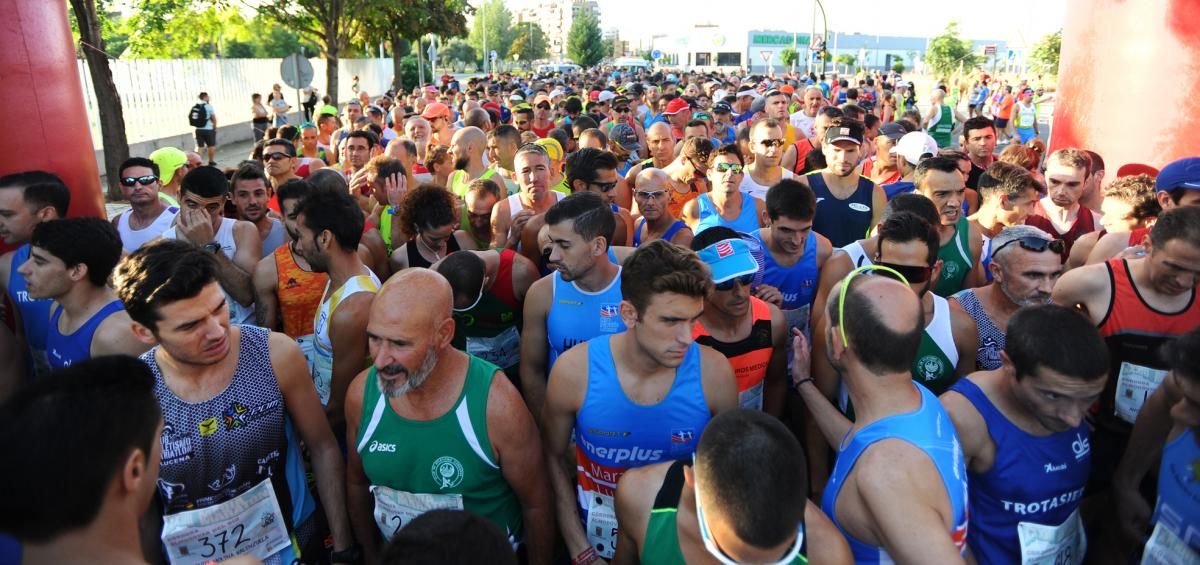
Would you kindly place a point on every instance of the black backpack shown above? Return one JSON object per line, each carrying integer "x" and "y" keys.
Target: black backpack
{"x": 198, "y": 115}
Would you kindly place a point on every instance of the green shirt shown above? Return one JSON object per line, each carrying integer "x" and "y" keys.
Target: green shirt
{"x": 956, "y": 260}
{"x": 940, "y": 132}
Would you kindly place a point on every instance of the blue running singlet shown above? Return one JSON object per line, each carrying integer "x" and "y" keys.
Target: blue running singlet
{"x": 577, "y": 315}
{"x": 797, "y": 284}
{"x": 1176, "y": 537}
{"x": 35, "y": 314}
{"x": 63, "y": 350}
{"x": 746, "y": 222}
{"x": 666, "y": 236}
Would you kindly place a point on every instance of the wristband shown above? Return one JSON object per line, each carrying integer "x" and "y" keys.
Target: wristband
{"x": 801, "y": 382}
{"x": 585, "y": 557}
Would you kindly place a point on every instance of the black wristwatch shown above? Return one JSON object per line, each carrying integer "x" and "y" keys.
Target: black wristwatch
{"x": 212, "y": 247}
{"x": 352, "y": 554}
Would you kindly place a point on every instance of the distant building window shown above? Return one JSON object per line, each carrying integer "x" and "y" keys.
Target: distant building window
{"x": 703, "y": 59}
{"x": 729, "y": 59}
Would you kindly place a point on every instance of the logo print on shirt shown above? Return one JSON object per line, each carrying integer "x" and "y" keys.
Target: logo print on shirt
{"x": 858, "y": 207}
{"x": 381, "y": 447}
{"x": 176, "y": 448}
{"x": 683, "y": 436}
{"x": 447, "y": 472}
{"x": 208, "y": 427}
{"x": 929, "y": 368}
{"x": 225, "y": 480}
{"x": 1081, "y": 446}
{"x": 1052, "y": 468}
{"x": 610, "y": 317}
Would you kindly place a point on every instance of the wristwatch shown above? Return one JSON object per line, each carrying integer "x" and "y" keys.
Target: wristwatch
{"x": 352, "y": 554}
{"x": 212, "y": 247}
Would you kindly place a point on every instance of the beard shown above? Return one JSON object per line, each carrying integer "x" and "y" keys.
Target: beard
{"x": 461, "y": 163}
{"x": 412, "y": 381}
{"x": 1036, "y": 299}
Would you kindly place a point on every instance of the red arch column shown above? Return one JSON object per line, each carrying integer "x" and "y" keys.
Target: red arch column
{"x": 46, "y": 124}
{"x": 1128, "y": 80}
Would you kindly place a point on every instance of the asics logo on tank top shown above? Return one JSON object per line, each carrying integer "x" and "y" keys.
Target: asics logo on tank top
{"x": 381, "y": 447}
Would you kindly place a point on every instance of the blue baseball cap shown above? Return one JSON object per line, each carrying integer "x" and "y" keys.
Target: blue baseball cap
{"x": 728, "y": 259}
{"x": 1183, "y": 173}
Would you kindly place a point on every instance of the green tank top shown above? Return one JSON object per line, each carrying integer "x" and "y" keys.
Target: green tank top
{"x": 464, "y": 224}
{"x": 956, "y": 260}
{"x": 661, "y": 543}
{"x": 489, "y": 331}
{"x": 448, "y": 462}
{"x": 460, "y": 181}
{"x": 941, "y": 130}
{"x": 385, "y": 226}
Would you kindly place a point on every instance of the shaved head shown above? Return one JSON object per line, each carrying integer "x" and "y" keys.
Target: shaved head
{"x": 471, "y": 141}
{"x": 414, "y": 293}
{"x": 882, "y": 320}
{"x": 652, "y": 178}
{"x": 659, "y": 128}
{"x": 409, "y": 330}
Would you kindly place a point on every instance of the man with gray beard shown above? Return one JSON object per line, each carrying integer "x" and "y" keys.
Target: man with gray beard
{"x": 1025, "y": 264}
{"x": 431, "y": 427}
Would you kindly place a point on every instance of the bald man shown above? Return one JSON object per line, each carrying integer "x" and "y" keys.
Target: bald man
{"x": 467, "y": 146}
{"x": 661, "y": 145}
{"x": 898, "y": 490}
{"x": 432, "y": 427}
{"x": 656, "y": 222}
{"x": 805, "y": 120}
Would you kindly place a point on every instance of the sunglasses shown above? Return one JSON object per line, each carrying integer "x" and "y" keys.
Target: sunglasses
{"x": 276, "y": 156}
{"x": 622, "y": 110}
{"x": 743, "y": 280}
{"x": 145, "y": 180}
{"x": 649, "y": 194}
{"x": 1035, "y": 244}
{"x": 728, "y": 168}
{"x": 604, "y": 186}
{"x": 914, "y": 275}
{"x": 701, "y": 116}
{"x": 543, "y": 106}
{"x": 772, "y": 143}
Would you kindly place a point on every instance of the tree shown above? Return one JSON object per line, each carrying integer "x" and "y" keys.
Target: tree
{"x": 460, "y": 51}
{"x": 494, "y": 19}
{"x": 108, "y": 100}
{"x": 331, "y": 23}
{"x": 948, "y": 51}
{"x": 898, "y": 66}
{"x": 846, "y": 59}
{"x": 529, "y": 42}
{"x": 584, "y": 43}
{"x": 1046, "y": 53}
{"x": 789, "y": 56}
{"x": 400, "y": 22}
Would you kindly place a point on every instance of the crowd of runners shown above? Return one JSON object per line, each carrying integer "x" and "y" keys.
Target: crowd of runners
{"x": 652, "y": 317}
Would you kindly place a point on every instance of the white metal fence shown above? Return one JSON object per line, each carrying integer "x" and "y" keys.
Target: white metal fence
{"x": 157, "y": 94}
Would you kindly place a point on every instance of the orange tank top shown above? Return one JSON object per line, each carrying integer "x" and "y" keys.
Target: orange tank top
{"x": 299, "y": 293}
{"x": 749, "y": 357}
{"x": 678, "y": 199}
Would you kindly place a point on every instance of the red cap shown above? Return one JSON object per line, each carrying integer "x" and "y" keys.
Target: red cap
{"x": 675, "y": 106}
{"x": 594, "y": 95}
{"x": 787, "y": 89}
{"x": 1130, "y": 169}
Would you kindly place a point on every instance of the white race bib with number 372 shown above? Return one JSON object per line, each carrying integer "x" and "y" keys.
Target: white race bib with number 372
{"x": 394, "y": 509}
{"x": 1134, "y": 385}
{"x": 251, "y": 524}
{"x": 1063, "y": 544}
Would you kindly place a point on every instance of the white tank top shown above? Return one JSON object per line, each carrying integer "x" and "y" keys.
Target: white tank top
{"x": 858, "y": 255}
{"x": 322, "y": 360}
{"x": 515, "y": 205}
{"x": 238, "y": 314}
{"x": 132, "y": 239}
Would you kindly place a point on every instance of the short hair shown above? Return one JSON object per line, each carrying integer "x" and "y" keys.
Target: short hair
{"x": 63, "y": 238}
{"x": 98, "y": 411}
{"x": 1056, "y": 338}
{"x": 590, "y": 216}
{"x": 138, "y": 162}
{"x": 1095, "y": 162}
{"x": 583, "y": 123}
{"x": 485, "y": 186}
{"x": 506, "y": 133}
{"x": 1005, "y": 179}
{"x": 1138, "y": 192}
{"x": 477, "y": 117}
{"x": 524, "y": 109}
{"x": 383, "y": 166}
{"x": 596, "y": 133}
{"x": 583, "y": 164}
{"x": 435, "y": 154}
{"x": 249, "y": 171}
{"x": 205, "y": 182}
{"x": 1177, "y": 223}
{"x": 372, "y": 139}
{"x": 660, "y": 267}
{"x": 287, "y": 132}
{"x": 533, "y": 148}
{"x": 878, "y": 347}
{"x": 791, "y": 198}
{"x": 766, "y": 506}
{"x": 293, "y": 189}
{"x": 426, "y": 207}
{"x": 697, "y": 148}
{"x": 336, "y": 211}
{"x": 1018, "y": 155}
{"x": 766, "y": 123}
{"x": 40, "y": 189}
{"x": 870, "y": 121}
{"x": 907, "y": 226}
{"x": 831, "y": 112}
{"x": 941, "y": 164}
{"x": 159, "y": 273}
{"x": 1074, "y": 158}
{"x": 1000, "y": 248}
{"x": 410, "y": 147}
{"x": 562, "y": 136}
{"x": 727, "y": 149}
{"x": 437, "y": 537}
{"x": 696, "y": 123}
{"x": 1182, "y": 355}
{"x": 854, "y": 109}
{"x": 978, "y": 122}
{"x": 282, "y": 142}
{"x": 328, "y": 178}
{"x": 465, "y": 271}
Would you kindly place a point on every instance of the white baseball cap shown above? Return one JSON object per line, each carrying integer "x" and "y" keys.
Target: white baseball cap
{"x": 915, "y": 145}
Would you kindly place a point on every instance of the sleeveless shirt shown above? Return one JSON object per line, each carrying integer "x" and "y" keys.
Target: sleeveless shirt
{"x": 842, "y": 221}
{"x": 64, "y": 350}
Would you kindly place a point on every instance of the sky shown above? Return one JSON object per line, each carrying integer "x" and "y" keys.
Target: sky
{"x": 1023, "y": 21}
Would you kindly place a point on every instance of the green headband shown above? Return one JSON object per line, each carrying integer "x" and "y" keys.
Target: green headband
{"x": 846, "y": 287}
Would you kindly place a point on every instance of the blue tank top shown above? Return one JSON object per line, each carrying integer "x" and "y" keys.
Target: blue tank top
{"x": 842, "y": 221}
{"x": 797, "y": 284}
{"x": 63, "y": 350}
{"x": 35, "y": 314}
{"x": 1177, "y": 514}
{"x": 666, "y": 236}
{"x": 576, "y": 316}
{"x": 613, "y": 434}
{"x": 746, "y": 222}
{"x": 1034, "y": 479}
{"x": 929, "y": 429}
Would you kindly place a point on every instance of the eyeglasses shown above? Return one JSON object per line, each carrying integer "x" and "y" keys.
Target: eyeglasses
{"x": 701, "y": 116}
{"x": 743, "y": 280}
{"x": 769, "y": 143}
{"x": 710, "y": 544}
{"x": 621, "y": 110}
{"x": 649, "y": 194}
{"x": 276, "y": 156}
{"x": 604, "y": 186}
{"x": 914, "y": 275}
{"x": 846, "y": 287}
{"x": 728, "y": 168}
{"x": 145, "y": 180}
{"x": 543, "y": 106}
{"x": 1035, "y": 244}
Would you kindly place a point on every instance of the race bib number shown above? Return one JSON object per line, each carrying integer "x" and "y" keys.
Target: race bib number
{"x": 752, "y": 397}
{"x": 1134, "y": 385}
{"x": 503, "y": 350}
{"x": 602, "y": 524}
{"x": 798, "y": 319}
{"x": 1063, "y": 544}
{"x": 394, "y": 509}
{"x": 1165, "y": 548}
{"x": 251, "y": 524}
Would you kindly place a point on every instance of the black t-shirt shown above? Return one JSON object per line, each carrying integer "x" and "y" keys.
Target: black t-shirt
{"x": 973, "y": 177}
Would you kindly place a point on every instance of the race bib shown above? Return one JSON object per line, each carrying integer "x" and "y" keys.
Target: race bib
{"x": 503, "y": 350}
{"x": 602, "y": 524}
{"x": 394, "y": 509}
{"x": 798, "y": 319}
{"x": 308, "y": 349}
{"x": 1134, "y": 385}
{"x": 251, "y": 524}
{"x": 752, "y": 397}
{"x": 1165, "y": 548}
{"x": 1063, "y": 544}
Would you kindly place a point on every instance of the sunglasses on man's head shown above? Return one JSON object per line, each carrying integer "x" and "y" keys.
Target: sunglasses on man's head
{"x": 1035, "y": 244}
{"x": 144, "y": 180}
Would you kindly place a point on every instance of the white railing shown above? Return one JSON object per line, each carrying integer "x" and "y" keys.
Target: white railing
{"x": 157, "y": 94}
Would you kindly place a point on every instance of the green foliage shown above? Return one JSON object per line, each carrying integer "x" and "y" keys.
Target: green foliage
{"x": 408, "y": 70}
{"x": 195, "y": 31}
{"x": 948, "y": 51}
{"x": 646, "y": 55}
{"x": 459, "y": 51}
{"x": 529, "y": 42}
{"x": 789, "y": 56}
{"x": 1046, "y": 53}
{"x": 846, "y": 59}
{"x": 494, "y": 18}
{"x": 388, "y": 20}
{"x": 898, "y": 66}
{"x": 585, "y": 45}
